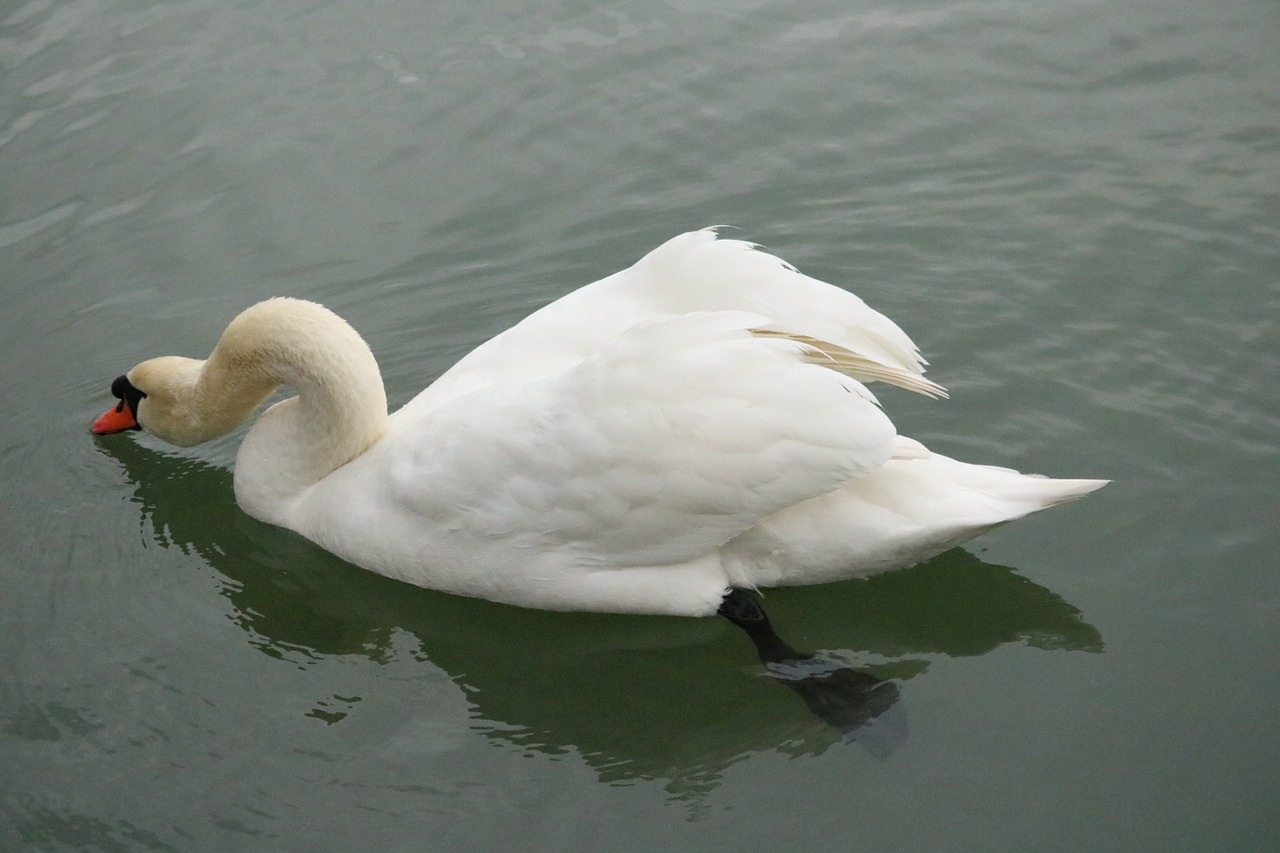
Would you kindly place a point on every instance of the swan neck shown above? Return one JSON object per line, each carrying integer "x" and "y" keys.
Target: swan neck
{"x": 340, "y": 410}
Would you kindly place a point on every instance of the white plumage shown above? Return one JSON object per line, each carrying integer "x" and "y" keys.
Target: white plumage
{"x": 694, "y": 423}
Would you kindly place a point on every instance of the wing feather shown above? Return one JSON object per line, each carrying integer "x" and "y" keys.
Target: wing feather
{"x": 694, "y": 272}
{"x": 656, "y": 450}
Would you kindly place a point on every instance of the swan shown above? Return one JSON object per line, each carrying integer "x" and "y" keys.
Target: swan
{"x": 657, "y": 442}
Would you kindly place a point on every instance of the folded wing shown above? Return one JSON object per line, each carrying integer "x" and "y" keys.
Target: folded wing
{"x": 672, "y": 439}
{"x": 694, "y": 272}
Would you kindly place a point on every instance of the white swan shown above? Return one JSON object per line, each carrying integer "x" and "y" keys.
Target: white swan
{"x": 647, "y": 444}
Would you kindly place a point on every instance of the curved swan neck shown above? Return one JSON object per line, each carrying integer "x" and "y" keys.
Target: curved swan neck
{"x": 340, "y": 410}
{"x": 306, "y": 346}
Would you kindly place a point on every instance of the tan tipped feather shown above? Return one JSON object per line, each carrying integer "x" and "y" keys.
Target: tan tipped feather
{"x": 850, "y": 363}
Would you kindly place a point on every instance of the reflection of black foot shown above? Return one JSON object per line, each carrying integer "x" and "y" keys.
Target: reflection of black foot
{"x": 847, "y": 699}
{"x": 861, "y": 706}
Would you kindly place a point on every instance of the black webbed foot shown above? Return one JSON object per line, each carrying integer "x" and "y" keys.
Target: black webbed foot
{"x": 848, "y": 699}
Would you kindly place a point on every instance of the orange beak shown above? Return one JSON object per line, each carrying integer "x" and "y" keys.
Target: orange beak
{"x": 118, "y": 419}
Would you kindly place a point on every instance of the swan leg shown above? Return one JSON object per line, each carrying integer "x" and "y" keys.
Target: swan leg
{"x": 848, "y": 699}
{"x": 742, "y": 609}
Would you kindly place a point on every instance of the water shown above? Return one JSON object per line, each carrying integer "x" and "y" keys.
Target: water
{"x": 1072, "y": 207}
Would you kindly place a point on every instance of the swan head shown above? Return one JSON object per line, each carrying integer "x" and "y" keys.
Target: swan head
{"x": 342, "y": 406}
{"x": 164, "y": 396}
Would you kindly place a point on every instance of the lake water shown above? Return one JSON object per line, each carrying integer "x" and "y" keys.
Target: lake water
{"x": 1074, "y": 208}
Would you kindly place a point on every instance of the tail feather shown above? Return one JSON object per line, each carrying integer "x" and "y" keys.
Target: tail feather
{"x": 1046, "y": 491}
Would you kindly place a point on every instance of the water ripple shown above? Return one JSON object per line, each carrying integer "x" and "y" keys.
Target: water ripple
{"x": 17, "y": 231}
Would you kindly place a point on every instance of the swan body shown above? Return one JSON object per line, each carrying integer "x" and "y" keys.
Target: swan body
{"x": 696, "y": 423}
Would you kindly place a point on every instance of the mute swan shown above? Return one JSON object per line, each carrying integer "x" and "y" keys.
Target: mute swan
{"x": 660, "y": 442}
{"x": 692, "y": 426}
